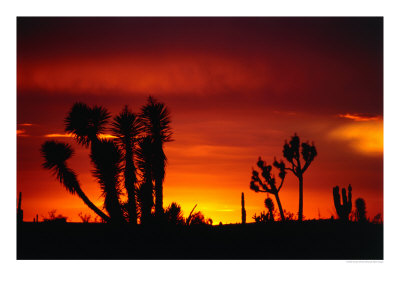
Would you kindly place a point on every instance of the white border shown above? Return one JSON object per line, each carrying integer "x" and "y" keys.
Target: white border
{"x": 198, "y": 279}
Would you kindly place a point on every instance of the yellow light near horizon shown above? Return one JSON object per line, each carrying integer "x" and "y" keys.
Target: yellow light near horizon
{"x": 63, "y": 135}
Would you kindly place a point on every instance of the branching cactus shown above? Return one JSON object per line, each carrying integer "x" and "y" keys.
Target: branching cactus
{"x": 343, "y": 208}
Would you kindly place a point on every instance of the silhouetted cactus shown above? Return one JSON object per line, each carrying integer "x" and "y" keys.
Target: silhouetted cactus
{"x": 343, "y": 208}
{"x": 20, "y": 212}
{"x": 361, "y": 212}
{"x": 243, "y": 211}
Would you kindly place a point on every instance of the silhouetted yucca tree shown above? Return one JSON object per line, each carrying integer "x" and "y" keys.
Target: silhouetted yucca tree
{"x": 86, "y": 124}
{"x": 55, "y": 156}
{"x": 293, "y": 154}
{"x": 269, "y": 184}
{"x": 107, "y": 160}
{"x": 127, "y": 126}
{"x": 156, "y": 120}
{"x": 144, "y": 159}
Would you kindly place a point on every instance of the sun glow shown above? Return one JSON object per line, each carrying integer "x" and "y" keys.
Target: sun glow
{"x": 364, "y": 137}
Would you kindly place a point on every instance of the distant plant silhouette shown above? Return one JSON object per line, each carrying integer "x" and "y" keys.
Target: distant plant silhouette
{"x": 85, "y": 218}
{"x": 55, "y": 155}
{"x": 361, "y": 212}
{"x": 269, "y": 204}
{"x": 174, "y": 214}
{"x": 291, "y": 151}
{"x": 343, "y": 208}
{"x": 189, "y": 218}
{"x": 20, "y": 212}
{"x": 55, "y": 218}
{"x": 262, "y": 218}
{"x": 127, "y": 127}
{"x": 269, "y": 185}
{"x": 266, "y": 217}
{"x": 377, "y": 219}
{"x": 289, "y": 216}
{"x": 243, "y": 211}
{"x": 197, "y": 219}
{"x": 156, "y": 120}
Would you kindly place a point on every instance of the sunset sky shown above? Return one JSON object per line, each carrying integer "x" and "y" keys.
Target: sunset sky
{"x": 237, "y": 88}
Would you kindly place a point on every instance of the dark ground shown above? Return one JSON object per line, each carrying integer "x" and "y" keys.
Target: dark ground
{"x": 321, "y": 239}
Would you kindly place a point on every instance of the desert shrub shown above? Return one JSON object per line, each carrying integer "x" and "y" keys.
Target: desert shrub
{"x": 55, "y": 218}
{"x": 84, "y": 217}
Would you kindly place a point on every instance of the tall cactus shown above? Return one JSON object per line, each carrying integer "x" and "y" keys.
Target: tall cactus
{"x": 20, "y": 212}
{"x": 243, "y": 211}
{"x": 343, "y": 208}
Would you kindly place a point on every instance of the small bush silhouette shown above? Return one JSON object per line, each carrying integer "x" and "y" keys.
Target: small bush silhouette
{"x": 198, "y": 219}
{"x": 262, "y": 218}
{"x": 84, "y": 217}
{"x": 53, "y": 218}
{"x": 377, "y": 219}
{"x": 361, "y": 212}
{"x": 269, "y": 204}
{"x": 174, "y": 214}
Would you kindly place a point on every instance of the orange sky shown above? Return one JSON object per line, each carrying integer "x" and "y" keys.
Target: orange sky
{"x": 237, "y": 88}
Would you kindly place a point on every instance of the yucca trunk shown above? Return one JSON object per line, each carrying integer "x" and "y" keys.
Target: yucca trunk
{"x": 130, "y": 180}
{"x": 89, "y": 203}
{"x": 146, "y": 201}
{"x": 113, "y": 207}
{"x": 107, "y": 174}
{"x": 300, "y": 198}
{"x": 158, "y": 188}
{"x": 159, "y": 173}
{"x": 279, "y": 206}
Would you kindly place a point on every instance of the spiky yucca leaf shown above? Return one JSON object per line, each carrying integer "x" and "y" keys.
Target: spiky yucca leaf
{"x": 55, "y": 155}
{"x": 156, "y": 119}
{"x": 86, "y": 123}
